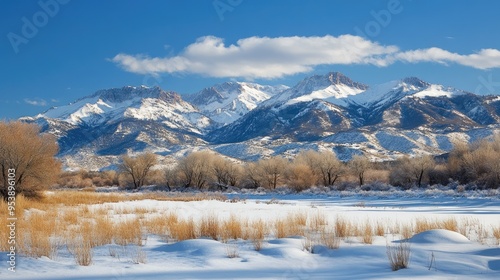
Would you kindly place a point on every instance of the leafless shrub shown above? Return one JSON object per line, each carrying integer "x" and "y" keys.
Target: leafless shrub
{"x": 232, "y": 251}
{"x": 329, "y": 238}
{"x": 31, "y": 155}
{"x": 399, "y": 255}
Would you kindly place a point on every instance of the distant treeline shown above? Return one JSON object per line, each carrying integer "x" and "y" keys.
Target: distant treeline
{"x": 476, "y": 164}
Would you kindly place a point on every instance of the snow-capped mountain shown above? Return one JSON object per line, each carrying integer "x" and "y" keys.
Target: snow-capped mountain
{"x": 140, "y": 103}
{"x": 225, "y": 103}
{"x": 249, "y": 121}
{"x": 120, "y": 120}
{"x": 320, "y": 106}
{"x": 333, "y": 87}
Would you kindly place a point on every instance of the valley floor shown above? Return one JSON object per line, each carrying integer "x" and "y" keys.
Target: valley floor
{"x": 473, "y": 253}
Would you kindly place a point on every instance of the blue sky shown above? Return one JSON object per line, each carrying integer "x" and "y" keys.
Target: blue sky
{"x": 53, "y": 52}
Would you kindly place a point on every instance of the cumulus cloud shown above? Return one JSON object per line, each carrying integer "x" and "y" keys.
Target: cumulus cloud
{"x": 36, "y": 101}
{"x": 265, "y": 57}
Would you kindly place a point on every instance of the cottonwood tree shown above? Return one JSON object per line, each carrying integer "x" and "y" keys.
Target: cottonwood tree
{"x": 324, "y": 165}
{"x": 299, "y": 176}
{"x": 31, "y": 155}
{"x": 196, "y": 169}
{"x": 272, "y": 171}
{"x": 138, "y": 168}
{"x": 476, "y": 162}
{"x": 226, "y": 172}
{"x": 410, "y": 171}
{"x": 481, "y": 163}
{"x": 358, "y": 167}
{"x": 251, "y": 175}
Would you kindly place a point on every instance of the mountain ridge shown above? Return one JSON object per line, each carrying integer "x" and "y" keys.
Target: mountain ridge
{"x": 238, "y": 118}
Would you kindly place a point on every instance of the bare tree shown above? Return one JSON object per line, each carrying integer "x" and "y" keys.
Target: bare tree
{"x": 358, "y": 166}
{"x": 299, "y": 176}
{"x": 272, "y": 170}
{"x": 324, "y": 165}
{"x": 408, "y": 171}
{"x": 251, "y": 175}
{"x": 477, "y": 162}
{"x": 138, "y": 168}
{"x": 195, "y": 169}
{"x": 28, "y": 157}
{"x": 227, "y": 173}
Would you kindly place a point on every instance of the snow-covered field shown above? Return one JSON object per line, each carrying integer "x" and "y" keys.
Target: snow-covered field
{"x": 436, "y": 254}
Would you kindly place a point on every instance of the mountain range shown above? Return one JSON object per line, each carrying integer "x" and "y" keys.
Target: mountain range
{"x": 248, "y": 121}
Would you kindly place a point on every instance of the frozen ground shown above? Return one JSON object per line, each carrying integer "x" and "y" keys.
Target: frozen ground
{"x": 437, "y": 254}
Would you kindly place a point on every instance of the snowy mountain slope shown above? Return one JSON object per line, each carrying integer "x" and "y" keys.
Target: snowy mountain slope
{"x": 225, "y": 103}
{"x": 121, "y": 120}
{"x": 323, "y": 112}
{"x": 309, "y": 110}
{"x": 332, "y": 87}
{"x": 140, "y": 103}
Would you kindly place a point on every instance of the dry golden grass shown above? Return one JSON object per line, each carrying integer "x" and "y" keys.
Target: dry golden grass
{"x": 75, "y": 198}
{"x": 161, "y": 225}
{"x": 128, "y": 232}
{"x": 4, "y": 234}
{"x": 186, "y": 197}
{"x": 75, "y": 219}
{"x": 70, "y": 217}
{"x": 496, "y": 234}
{"x": 424, "y": 224}
{"x": 298, "y": 218}
{"x": 317, "y": 220}
{"x": 257, "y": 233}
{"x": 81, "y": 251}
{"x": 329, "y": 238}
{"x": 231, "y": 229}
{"x": 3, "y": 208}
{"x": 379, "y": 229}
{"x": 399, "y": 255}
{"x": 343, "y": 227}
{"x": 449, "y": 224}
{"x": 367, "y": 232}
{"x": 209, "y": 226}
{"x": 281, "y": 228}
{"x": 103, "y": 231}
{"x": 183, "y": 230}
{"x": 465, "y": 226}
{"x": 35, "y": 239}
{"x": 407, "y": 230}
{"x": 100, "y": 211}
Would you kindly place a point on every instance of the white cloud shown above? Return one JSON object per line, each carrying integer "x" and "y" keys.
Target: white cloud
{"x": 484, "y": 59}
{"x": 260, "y": 57}
{"x": 264, "y": 57}
{"x": 36, "y": 101}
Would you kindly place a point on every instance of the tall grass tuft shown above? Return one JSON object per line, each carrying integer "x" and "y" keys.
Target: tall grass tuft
{"x": 399, "y": 255}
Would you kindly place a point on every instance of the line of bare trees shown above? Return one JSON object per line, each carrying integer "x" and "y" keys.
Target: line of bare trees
{"x": 477, "y": 163}
{"x": 32, "y": 155}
